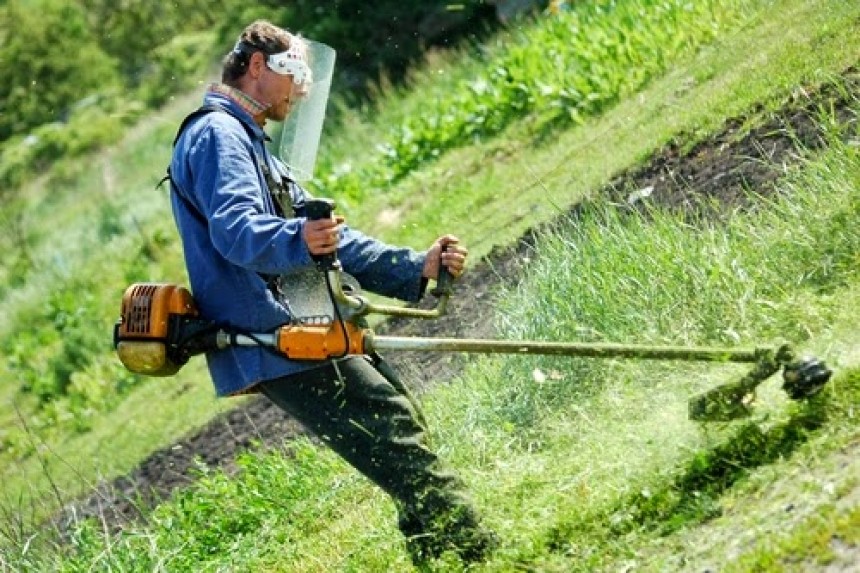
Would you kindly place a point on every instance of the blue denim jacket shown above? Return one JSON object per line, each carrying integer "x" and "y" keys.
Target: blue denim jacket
{"x": 231, "y": 235}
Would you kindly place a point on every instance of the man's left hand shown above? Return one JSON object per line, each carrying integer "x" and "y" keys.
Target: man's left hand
{"x": 453, "y": 257}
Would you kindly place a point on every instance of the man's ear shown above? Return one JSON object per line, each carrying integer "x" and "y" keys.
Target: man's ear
{"x": 256, "y": 64}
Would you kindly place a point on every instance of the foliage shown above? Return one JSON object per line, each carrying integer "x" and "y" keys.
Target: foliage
{"x": 50, "y": 61}
{"x": 135, "y": 31}
{"x": 59, "y": 360}
{"x": 174, "y": 66}
{"x": 574, "y": 67}
{"x": 94, "y": 122}
{"x": 59, "y": 355}
{"x": 129, "y": 57}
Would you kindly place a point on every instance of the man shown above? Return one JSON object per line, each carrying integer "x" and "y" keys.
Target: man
{"x": 240, "y": 214}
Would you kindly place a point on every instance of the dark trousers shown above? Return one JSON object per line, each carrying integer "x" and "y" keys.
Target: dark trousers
{"x": 361, "y": 409}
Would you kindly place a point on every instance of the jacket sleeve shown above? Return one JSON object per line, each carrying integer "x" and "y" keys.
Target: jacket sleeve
{"x": 383, "y": 269}
{"x": 229, "y": 191}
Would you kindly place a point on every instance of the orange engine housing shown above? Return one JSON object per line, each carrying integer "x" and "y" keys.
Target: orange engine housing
{"x": 301, "y": 342}
{"x": 146, "y": 308}
{"x": 142, "y": 334}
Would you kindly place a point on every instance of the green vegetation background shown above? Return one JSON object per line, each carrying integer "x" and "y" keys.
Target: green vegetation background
{"x": 581, "y": 465}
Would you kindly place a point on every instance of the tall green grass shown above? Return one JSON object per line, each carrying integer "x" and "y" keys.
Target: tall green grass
{"x": 573, "y": 66}
{"x": 711, "y": 282}
{"x": 581, "y": 465}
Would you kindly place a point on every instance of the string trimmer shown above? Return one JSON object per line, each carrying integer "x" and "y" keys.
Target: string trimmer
{"x": 160, "y": 329}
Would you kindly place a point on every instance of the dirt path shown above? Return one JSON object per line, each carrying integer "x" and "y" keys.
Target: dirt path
{"x": 724, "y": 167}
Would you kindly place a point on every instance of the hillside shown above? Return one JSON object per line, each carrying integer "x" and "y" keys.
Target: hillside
{"x": 664, "y": 173}
{"x": 730, "y": 167}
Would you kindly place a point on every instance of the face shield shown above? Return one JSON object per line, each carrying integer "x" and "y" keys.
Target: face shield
{"x": 311, "y": 64}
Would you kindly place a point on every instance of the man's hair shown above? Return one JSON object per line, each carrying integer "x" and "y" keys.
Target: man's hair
{"x": 260, "y": 36}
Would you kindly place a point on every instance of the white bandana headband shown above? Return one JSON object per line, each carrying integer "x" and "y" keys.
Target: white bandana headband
{"x": 289, "y": 63}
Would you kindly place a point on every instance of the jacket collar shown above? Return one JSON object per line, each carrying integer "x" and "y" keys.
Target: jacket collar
{"x": 242, "y": 105}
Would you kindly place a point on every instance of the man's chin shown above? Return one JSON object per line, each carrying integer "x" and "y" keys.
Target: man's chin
{"x": 277, "y": 114}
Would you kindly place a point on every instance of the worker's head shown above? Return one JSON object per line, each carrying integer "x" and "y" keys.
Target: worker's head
{"x": 291, "y": 76}
{"x": 271, "y": 65}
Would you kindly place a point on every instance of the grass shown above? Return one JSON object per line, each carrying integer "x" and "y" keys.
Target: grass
{"x": 591, "y": 467}
{"x": 549, "y": 461}
{"x": 468, "y": 185}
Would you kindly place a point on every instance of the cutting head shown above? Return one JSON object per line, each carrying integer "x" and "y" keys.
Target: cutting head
{"x": 801, "y": 379}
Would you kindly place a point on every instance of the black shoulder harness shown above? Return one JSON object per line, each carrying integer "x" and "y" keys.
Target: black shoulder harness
{"x": 279, "y": 193}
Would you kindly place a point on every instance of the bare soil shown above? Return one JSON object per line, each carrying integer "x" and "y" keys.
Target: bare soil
{"x": 746, "y": 157}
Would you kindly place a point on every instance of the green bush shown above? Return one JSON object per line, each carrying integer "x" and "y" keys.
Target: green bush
{"x": 175, "y": 66}
{"x": 96, "y": 121}
{"x": 574, "y": 67}
{"x": 130, "y": 31}
{"x": 50, "y": 61}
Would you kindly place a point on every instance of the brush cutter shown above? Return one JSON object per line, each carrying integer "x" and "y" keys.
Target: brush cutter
{"x": 160, "y": 329}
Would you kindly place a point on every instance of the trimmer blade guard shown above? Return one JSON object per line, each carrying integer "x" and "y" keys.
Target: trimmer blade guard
{"x": 801, "y": 379}
{"x": 722, "y": 404}
{"x": 732, "y": 401}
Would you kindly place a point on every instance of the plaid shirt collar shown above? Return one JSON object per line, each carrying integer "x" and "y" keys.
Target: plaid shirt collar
{"x": 246, "y": 102}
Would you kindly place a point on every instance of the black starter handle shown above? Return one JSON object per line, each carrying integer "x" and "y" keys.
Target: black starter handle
{"x": 445, "y": 280}
{"x": 316, "y": 209}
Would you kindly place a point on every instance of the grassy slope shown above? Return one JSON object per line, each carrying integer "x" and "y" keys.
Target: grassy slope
{"x": 763, "y": 62}
{"x": 771, "y": 494}
{"x": 724, "y": 81}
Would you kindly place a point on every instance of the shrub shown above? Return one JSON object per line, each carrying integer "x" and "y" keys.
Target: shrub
{"x": 50, "y": 59}
{"x": 174, "y": 66}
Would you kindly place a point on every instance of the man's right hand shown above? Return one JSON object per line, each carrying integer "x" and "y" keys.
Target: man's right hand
{"x": 322, "y": 235}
